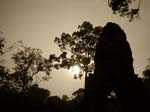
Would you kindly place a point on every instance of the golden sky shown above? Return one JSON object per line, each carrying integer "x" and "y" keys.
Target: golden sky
{"x": 38, "y": 22}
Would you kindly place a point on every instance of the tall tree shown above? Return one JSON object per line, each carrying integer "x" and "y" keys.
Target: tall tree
{"x": 124, "y": 8}
{"x": 29, "y": 62}
{"x": 4, "y": 72}
{"x": 78, "y": 48}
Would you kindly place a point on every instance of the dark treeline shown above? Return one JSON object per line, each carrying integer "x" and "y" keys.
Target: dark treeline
{"x": 39, "y": 100}
{"x": 36, "y": 100}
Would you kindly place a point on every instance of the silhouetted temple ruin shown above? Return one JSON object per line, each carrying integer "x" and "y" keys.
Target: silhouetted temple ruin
{"x": 114, "y": 72}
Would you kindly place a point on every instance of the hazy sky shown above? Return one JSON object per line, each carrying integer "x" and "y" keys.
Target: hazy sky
{"x": 38, "y": 22}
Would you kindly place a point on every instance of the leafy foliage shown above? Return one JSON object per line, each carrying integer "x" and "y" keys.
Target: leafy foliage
{"x": 29, "y": 62}
{"x": 17, "y": 88}
{"x": 2, "y": 42}
{"x": 123, "y": 8}
{"x": 37, "y": 96}
{"x": 5, "y": 82}
{"x": 78, "y": 48}
{"x": 146, "y": 74}
{"x": 78, "y": 92}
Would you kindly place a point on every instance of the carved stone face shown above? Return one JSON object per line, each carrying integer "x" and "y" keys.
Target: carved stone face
{"x": 113, "y": 32}
{"x": 113, "y": 53}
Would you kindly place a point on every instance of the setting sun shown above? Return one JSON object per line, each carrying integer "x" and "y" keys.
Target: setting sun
{"x": 75, "y": 69}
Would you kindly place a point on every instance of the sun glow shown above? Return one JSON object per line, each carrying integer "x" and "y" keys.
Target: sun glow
{"x": 75, "y": 69}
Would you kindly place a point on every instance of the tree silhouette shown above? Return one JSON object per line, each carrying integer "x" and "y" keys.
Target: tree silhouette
{"x": 36, "y": 97}
{"x": 78, "y": 93}
{"x": 146, "y": 78}
{"x": 29, "y": 62}
{"x": 5, "y": 83}
{"x": 65, "y": 98}
{"x": 77, "y": 99}
{"x": 78, "y": 48}
{"x": 124, "y": 8}
{"x": 5, "y": 80}
{"x": 2, "y": 42}
{"x": 56, "y": 104}
{"x": 17, "y": 88}
{"x": 146, "y": 72}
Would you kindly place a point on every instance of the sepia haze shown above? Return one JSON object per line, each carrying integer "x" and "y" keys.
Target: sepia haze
{"x": 38, "y": 22}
